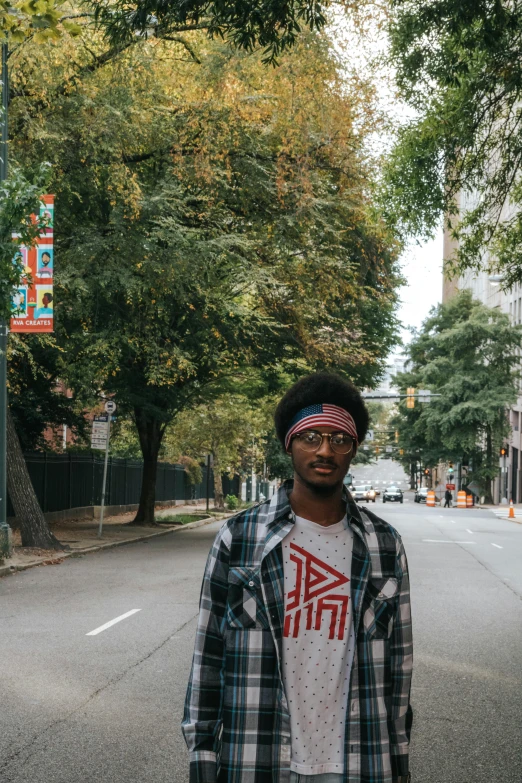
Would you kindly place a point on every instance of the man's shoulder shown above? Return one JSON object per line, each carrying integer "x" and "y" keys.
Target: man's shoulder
{"x": 250, "y": 523}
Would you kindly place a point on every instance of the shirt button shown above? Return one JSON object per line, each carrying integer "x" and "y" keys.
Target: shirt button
{"x": 353, "y": 706}
{"x": 285, "y": 740}
{"x": 250, "y": 584}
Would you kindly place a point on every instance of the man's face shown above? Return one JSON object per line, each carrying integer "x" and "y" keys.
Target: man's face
{"x": 46, "y": 259}
{"x": 323, "y": 469}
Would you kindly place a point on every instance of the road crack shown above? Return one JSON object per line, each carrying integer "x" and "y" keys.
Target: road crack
{"x": 15, "y": 755}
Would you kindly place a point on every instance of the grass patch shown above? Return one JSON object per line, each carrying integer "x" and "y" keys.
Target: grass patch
{"x": 180, "y": 519}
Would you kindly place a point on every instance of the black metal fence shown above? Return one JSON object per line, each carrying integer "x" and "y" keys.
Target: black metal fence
{"x": 63, "y": 481}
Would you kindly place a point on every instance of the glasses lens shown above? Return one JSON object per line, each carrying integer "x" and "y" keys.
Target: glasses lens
{"x": 341, "y": 443}
{"x": 309, "y": 440}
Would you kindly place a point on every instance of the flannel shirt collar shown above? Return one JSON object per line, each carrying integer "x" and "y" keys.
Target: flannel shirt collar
{"x": 280, "y": 508}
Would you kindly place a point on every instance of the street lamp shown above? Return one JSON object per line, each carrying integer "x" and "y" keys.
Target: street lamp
{"x": 495, "y": 279}
{"x": 5, "y": 530}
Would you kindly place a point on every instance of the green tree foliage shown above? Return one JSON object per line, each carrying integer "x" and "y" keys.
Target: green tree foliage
{"x": 210, "y": 219}
{"x": 458, "y": 65}
{"x": 467, "y": 353}
{"x": 228, "y": 428}
{"x": 270, "y": 24}
{"x": 35, "y": 367}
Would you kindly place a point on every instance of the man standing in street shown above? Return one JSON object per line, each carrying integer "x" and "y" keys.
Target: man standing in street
{"x": 303, "y": 656}
{"x": 448, "y": 498}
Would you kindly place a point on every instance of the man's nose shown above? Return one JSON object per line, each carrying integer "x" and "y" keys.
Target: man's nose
{"x": 325, "y": 449}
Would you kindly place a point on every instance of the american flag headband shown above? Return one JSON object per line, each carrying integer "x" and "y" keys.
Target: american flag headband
{"x": 321, "y": 416}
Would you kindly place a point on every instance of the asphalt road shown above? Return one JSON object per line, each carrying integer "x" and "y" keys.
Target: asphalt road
{"x": 381, "y": 473}
{"x": 106, "y": 707}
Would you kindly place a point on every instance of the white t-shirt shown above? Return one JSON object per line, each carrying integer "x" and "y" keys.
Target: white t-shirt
{"x": 318, "y": 642}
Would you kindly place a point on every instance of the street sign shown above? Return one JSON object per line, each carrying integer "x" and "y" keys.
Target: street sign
{"x": 424, "y": 395}
{"x": 100, "y": 432}
{"x": 110, "y": 406}
{"x": 450, "y": 486}
{"x": 369, "y": 435}
{"x": 389, "y": 449}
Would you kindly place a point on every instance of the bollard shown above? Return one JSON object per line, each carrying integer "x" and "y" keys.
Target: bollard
{"x": 430, "y": 498}
{"x": 461, "y": 499}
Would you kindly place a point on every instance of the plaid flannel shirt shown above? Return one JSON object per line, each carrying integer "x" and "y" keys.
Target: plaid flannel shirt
{"x": 236, "y": 722}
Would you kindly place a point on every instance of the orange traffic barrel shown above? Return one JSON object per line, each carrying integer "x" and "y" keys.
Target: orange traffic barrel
{"x": 469, "y": 501}
{"x": 430, "y": 498}
{"x": 461, "y": 499}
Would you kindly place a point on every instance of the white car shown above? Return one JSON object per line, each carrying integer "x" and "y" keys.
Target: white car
{"x": 364, "y": 492}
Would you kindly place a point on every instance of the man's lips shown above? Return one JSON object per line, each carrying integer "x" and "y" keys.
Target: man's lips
{"x": 322, "y": 467}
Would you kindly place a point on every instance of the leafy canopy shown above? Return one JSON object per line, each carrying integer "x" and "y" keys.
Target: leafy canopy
{"x": 458, "y": 65}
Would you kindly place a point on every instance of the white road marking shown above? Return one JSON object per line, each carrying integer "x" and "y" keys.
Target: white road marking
{"x": 498, "y": 546}
{"x": 453, "y": 521}
{"x": 470, "y": 532}
{"x": 444, "y": 541}
{"x": 112, "y": 622}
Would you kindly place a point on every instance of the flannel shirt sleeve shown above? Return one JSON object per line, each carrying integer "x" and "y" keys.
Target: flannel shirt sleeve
{"x": 201, "y": 723}
{"x": 401, "y": 664}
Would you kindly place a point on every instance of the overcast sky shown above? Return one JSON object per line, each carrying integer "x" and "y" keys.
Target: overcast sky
{"x": 422, "y": 268}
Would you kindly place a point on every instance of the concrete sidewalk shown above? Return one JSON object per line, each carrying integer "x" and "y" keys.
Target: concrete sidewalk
{"x": 81, "y": 536}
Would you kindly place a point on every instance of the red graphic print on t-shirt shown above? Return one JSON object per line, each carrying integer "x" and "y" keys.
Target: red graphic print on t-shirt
{"x": 313, "y": 595}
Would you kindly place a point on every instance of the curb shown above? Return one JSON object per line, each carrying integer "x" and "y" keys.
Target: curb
{"x": 6, "y": 570}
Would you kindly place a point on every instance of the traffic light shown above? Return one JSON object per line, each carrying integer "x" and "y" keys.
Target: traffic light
{"x": 450, "y": 467}
{"x": 503, "y": 451}
{"x": 410, "y": 399}
{"x": 426, "y": 471}
{"x": 401, "y": 452}
{"x": 396, "y": 436}
{"x": 377, "y": 449}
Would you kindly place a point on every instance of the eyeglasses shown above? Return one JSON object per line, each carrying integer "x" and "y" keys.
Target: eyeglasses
{"x": 311, "y": 440}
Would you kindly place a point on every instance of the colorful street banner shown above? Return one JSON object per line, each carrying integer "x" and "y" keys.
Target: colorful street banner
{"x": 32, "y": 301}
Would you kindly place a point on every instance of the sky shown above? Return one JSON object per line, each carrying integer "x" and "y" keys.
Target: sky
{"x": 422, "y": 268}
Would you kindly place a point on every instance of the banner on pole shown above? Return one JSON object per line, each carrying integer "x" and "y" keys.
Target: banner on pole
{"x": 32, "y": 301}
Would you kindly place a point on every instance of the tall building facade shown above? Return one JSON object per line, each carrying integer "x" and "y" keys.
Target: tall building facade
{"x": 485, "y": 288}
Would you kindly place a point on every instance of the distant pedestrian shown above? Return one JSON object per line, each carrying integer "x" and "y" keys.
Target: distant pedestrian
{"x": 303, "y": 658}
{"x": 448, "y": 499}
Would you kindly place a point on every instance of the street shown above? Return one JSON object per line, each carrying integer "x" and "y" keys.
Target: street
{"x": 381, "y": 473}
{"x": 107, "y": 707}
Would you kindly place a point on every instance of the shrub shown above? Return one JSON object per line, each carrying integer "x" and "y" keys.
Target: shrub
{"x": 232, "y": 502}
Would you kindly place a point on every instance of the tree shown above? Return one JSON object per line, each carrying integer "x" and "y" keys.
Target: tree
{"x": 467, "y": 353}
{"x": 222, "y": 224}
{"x": 226, "y": 428}
{"x": 458, "y": 66}
{"x": 20, "y": 198}
{"x": 270, "y": 24}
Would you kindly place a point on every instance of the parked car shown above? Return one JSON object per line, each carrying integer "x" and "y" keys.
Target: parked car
{"x": 392, "y": 495}
{"x": 364, "y": 492}
{"x": 421, "y": 495}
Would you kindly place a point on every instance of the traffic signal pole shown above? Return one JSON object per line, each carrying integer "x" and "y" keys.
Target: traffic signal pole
{"x": 5, "y": 530}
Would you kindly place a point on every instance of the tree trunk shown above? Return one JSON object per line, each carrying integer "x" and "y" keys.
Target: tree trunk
{"x": 219, "y": 500}
{"x": 150, "y": 432}
{"x": 488, "y": 496}
{"x": 33, "y": 527}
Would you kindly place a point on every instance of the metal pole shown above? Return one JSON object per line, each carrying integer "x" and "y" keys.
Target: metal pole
{"x": 5, "y": 530}
{"x": 208, "y": 482}
{"x": 104, "y": 482}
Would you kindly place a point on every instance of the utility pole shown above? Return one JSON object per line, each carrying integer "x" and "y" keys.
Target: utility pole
{"x": 5, "y": 530}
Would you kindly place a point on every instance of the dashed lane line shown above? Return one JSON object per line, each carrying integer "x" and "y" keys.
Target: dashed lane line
{"x": 445, "y": 541}
{"x": 497, "y": 546}
{"x": 112, "y": 622}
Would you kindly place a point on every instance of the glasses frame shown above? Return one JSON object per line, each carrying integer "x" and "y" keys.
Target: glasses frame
{"x": 324, "y": 435}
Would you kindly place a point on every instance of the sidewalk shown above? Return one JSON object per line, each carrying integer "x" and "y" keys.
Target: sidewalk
{"x": 81, "y": 536}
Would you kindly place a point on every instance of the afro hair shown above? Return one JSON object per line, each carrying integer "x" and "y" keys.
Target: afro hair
{"x": 321, "y": 387}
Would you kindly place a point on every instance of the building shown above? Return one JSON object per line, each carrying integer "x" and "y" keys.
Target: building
{"x": 486, "y": 287}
